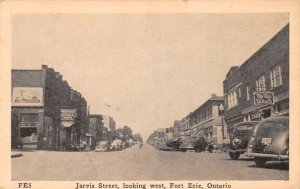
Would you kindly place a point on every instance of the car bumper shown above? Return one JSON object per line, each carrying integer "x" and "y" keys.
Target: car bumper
{"x": 273, "y": 156}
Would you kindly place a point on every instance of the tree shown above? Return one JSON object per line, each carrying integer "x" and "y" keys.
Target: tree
{"x": 127, "y": 132}
{"x": 137, "y": 138}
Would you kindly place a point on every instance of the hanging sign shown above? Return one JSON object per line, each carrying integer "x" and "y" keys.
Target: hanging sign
{"x": 68, "y": 117}
{"x": 264, "y": 98}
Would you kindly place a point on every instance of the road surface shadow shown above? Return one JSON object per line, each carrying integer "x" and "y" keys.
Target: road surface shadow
{"x": 274, "y": 165}
{"x": 240, "y": 159}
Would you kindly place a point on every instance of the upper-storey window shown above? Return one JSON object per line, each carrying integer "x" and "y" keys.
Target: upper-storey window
{"x": 261, "y": 83}
{"x": 275, "y": 75}
{"x": 248, "y": 92}
{"x": 232, "y": 99}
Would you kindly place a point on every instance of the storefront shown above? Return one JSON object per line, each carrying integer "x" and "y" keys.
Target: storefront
{"x": 69, "y": 138}
{"x": 28, "y": 131}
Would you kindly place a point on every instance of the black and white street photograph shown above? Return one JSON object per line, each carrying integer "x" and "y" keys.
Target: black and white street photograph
{"x": 153, "y": 96}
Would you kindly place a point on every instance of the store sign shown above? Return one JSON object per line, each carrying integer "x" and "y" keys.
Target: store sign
{"x": 256, "y": 116}
{"x": 68, "y": 117}
{"x": 263, "y": 98}
{"x": 27, "y": 96}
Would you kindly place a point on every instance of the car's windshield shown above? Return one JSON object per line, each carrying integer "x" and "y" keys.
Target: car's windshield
{"x": 271, "y": 129}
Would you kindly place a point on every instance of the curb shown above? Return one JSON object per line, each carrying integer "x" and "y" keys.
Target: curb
{"x": 15, "y": 155}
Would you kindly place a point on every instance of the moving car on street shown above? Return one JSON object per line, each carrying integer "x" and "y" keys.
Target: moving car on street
{"x": 242, "y": 134}
{"x": 270, "y": 141}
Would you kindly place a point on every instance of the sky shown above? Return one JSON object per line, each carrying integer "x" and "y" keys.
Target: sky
{"x": 145, "y": 70}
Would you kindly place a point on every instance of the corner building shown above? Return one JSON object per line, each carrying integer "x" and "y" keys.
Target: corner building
{"x": 38, "y": 100}
{"x": 265, "y": 72}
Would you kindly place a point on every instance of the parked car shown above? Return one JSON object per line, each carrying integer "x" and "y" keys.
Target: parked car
{"x": 175, "y": 143}
{"x": 242, "y": 134}
{"x": 102, "y": 146}
{"x": 116, "y": 145}
{"x": 74, "y": 148}
{"x": 163, "y": 145}
{"x": 270, "y": 141}
{"x": 194, "y": 143}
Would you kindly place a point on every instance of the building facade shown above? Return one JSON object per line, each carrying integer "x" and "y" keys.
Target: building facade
{"x": 259, "y": 88}
{"x": 95, "y": 128}
{"x": 46, "y": 112}
{"x": 178, "y": 126}
{"x": 208, "y": 120}
{"x": 109, "y": 123}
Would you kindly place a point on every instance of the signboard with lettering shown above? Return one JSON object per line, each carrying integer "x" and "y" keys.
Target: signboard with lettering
{"x": 264, "y": 98}
{"x": 27, "y": 96}
{"x": 68, "y": 116}
{"x": 256, "y": 116}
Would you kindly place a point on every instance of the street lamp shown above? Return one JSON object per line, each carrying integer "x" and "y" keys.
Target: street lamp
{"x": 221, "y": 108}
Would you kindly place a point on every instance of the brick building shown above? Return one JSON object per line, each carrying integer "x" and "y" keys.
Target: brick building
{"x": 95, "y": 128}
{"x": 178, "y": 126}
{"x": 207, "y": 118}
{"x": 109, "y": 123}
{"x": 264, "y": 75}
{"x": 46, "y": 112}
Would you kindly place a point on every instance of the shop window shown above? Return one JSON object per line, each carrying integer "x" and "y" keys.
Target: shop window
{"x": 275, "y": 75}
{"x": 260, "y": 83}
{"x": 282, "y": 106}
{"x": 28, "y": 135}
{"x": 266, "y": 113}
{"x": 29, "y": 117}
{"x": 29, "y": 120}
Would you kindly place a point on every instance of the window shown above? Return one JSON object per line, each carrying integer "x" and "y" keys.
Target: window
{"x": 260, "y": 83}
{"x": 232, "y": 99}
{"x": 248, "y": 92}
{"x": 275, "y": 75}
{"x": 29, "y": 117}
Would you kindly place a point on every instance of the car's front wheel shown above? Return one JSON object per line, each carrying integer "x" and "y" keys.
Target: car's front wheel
{"x": 198, "y": 150}
{"x": 260, "y": 162}
{"x": 234, "y": 155}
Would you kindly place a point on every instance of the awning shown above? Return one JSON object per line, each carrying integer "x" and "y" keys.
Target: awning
{"x": 253, "y": 108}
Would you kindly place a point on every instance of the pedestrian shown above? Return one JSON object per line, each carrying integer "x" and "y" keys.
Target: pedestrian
{"x": 141, "y": 144}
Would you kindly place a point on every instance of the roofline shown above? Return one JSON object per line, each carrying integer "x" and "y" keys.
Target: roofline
{"x": 210, "y": 99}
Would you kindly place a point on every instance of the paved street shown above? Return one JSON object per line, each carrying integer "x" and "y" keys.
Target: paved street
{"x": 139, "y": 164}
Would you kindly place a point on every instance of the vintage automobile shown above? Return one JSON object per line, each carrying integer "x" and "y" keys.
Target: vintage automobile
{"x": 175, "y": 143}
{"x": 102, "y": 146}
{"x": 116, "y": 145}
{"x": 270, "y": 141}
{"x": 241, "y": 136}
{"x": 194, "y": 143}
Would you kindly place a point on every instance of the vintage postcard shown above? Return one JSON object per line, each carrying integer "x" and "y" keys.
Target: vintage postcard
{"x": 149, "y": 94}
